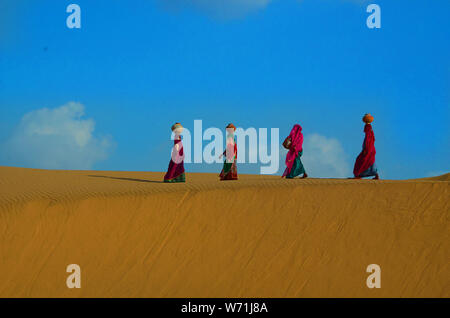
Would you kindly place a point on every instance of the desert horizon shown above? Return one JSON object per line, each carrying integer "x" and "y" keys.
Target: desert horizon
{"x": 261, "y": 236}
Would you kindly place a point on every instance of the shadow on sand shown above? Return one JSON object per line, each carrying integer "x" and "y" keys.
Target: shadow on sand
{"x": 126, "y": 179}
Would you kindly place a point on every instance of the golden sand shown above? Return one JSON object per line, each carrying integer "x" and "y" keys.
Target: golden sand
{"x": 261, "y": 236}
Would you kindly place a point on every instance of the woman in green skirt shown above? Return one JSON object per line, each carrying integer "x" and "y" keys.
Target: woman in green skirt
{"x": 294, "y": 165}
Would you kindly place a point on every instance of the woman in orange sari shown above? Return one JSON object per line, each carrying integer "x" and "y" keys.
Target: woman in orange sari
{"x": 229, "y": 171}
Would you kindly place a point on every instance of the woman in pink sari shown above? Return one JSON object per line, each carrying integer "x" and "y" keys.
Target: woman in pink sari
{"x": 294, "y": 165}
{"x": 175, "y": 172}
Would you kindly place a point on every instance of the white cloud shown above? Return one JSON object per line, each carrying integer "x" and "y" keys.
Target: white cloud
{"x": 222, "y": 9}
{"x": 57, "y": 138}
{"x": 324, "y": 157}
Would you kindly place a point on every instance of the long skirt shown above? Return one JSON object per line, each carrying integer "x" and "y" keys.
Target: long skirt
{"x": 371, "y": 172}
{"x": 175, "y": 173}
{"x": 229, "y": 171}
{"x": 297, "y": 168}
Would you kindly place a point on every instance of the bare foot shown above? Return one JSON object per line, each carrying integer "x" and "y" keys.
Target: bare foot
{"x": 305, "y": 175}
{"x": 377, "y": 177}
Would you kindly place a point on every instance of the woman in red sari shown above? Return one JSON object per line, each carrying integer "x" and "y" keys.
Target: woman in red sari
{"x": 365, "y": 162}
{"x": 229, "y": 171}
{"x": 175, "y": 172}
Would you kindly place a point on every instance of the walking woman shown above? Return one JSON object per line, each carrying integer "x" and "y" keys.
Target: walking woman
{"x": 175, "y": 172}
{"x": 365, "y": 162}
{"x": 229, "y": 171}
{"x": 294, "y": 165}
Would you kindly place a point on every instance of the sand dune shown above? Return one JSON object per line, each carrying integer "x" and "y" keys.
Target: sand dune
{"x": 261, "y": 236}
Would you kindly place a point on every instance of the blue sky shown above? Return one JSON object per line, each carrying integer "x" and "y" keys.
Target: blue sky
{"x": 136, "y": 67}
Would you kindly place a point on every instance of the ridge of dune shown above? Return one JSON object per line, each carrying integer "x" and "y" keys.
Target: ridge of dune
{"x": 261, "y": 236}
{"x": 444, "y": 177}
